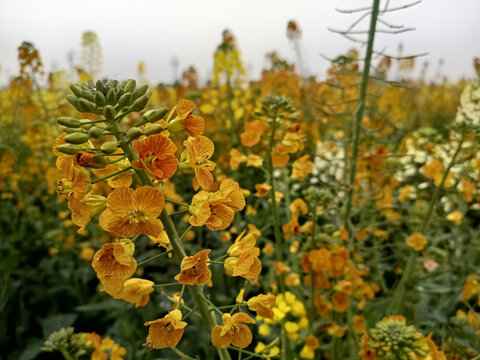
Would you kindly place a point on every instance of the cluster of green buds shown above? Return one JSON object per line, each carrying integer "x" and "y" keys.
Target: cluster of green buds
{"x": 454, "y": 350}
{"x": 111, "y": 101}
{"x": 316, "y": 196}
{"x": 392, "y": 339}
{"x": 67, "y": 342}
{"x": 278, "y": 107}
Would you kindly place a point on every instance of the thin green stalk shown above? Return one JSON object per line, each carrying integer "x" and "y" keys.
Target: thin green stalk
{"x": 111, "y": 175}
{"x": 166, "y": 285}
{"x": 142, "y": 263}
{"x": 180, "y": 297}
{"x": 275, "y": 217}
{"x": 359, "y": 113}
{"x": 172, "y": 234}
{"x": 66, "y": 354}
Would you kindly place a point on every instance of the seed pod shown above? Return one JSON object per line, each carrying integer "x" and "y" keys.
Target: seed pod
{"x": 109, "y": 147}
{"x": 139, "y": 104}
{"x": 130, "y": 85}
{"x": 76, "y": 138}
{"x": 68, "y": 149}
{"x": 100, "y": 100}
{"x": 139, "y": 91}
{"x": 125, "y": 99}
{"x": 153, "y": 129}
{"x": 76, "y": 89}
{"x": 111, "y": 96}
{"x": 109, "y": 112}
{"x": 134, "y": 133}
{"x": 85, "y": 105}
{"x": 155, "y": 115}
{"x": 69, "y": 122}
{"x": 95, "y": 132}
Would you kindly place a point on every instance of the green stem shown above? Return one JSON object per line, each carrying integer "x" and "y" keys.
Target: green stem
{"x": 153, "y": 258}
{"x": 111, "y": 175}
{"x": 275, "y": 217}
{"x": 359, "y": 113}
{"x": 66, "y": 354}
{"x": 176, "y": 202}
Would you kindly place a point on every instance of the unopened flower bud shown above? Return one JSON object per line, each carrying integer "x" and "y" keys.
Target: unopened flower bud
{"x": 125, "y": 99}
{"x": 69, "y": 122}
{"x": 99, "y": 86}
{"x": 85, "y": 105}
{"x": 109, "y": 112}
{"x": 175, "y": 126}
{"x": 155, "y": 115}
{"x": 109, "y": 147}
{"x": 68, "y": 149}
{"x": 111, "y": 96}
{"x": 87, "y": 95}
{"x": 139, "y": 104}
{"x": 76, "y": 89}
{"x": 129, "y": 85}
{"x": 76, "y": 138}
{"x": 95, "y": 132}
{"x": 74, "y": 101}
{"x": 99, "y": 159}
{"x": 134, "y": 133}
{"x": 140, "y": 91}
{"x": 153, "y": 129}
{"x": 100, "y": 100}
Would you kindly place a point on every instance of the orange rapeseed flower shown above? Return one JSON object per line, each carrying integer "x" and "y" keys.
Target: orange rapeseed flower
{"x": 200, "y": 150}
{"x": 243, "y": 258}
{"x": 166, "y": 332}
{"x": 137, "y": 291}
{"x": 113, "y": 264}
{"x": 76, "y": 181}
{"x": 217, "y": 210}
{"x": 157, "y": 155}
{"x": 262, "y": 305}
{"x": 130, "y": 212}
{"x": 417, "y": 241}
{"x": 83, "y": 210}
{"x": 233, "y": 332}
{"x": 252, "y": 132}
{"x": 194, "y": 269}
{"x": 193, "y": 124}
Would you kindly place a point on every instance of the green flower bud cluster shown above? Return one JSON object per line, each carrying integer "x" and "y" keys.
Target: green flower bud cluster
{"x": 66, "y": 341}
{"x": 112, "y": 100}
{"x": 109, "y": 98}
{"x": 315, "y": 196}
{"x": 392, "y": 339}
{"x": 277, "y": 106}
{"x": 454, "y": 350}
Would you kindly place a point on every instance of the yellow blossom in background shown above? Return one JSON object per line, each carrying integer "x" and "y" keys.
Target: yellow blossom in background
{"x": 417, "y": 241}
{"x": 455, "y": 217}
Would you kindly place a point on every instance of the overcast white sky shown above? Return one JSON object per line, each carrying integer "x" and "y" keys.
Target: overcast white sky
{"x": 157, "y": 30}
